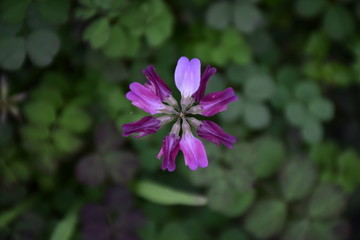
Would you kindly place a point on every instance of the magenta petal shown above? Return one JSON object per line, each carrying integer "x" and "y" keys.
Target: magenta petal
{"x": 187, "y": 76}
{"x": 214, "y": 133}
{"x": 216, "y": 102}
{"x": 143, "y": 98}
{"x": 199, "y": 94}
{"x": 145, "y": 126}
{"x": 194, "y": 152}
{"x": 161, "y": 89}
{"x": 169, "y": 150}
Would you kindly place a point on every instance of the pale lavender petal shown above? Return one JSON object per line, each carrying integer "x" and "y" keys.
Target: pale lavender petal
{"x": 187, "y": 76}
{"x": 199, "y": 94}
{"x": 180, "y": 71}
{"x": 214, "y": 133}
{"x": 216, "y": 102}
{"x": 143, "y": 98}
{"x": 194, "y": 152}
{"x": 160, "y": 87}
{"x": 145, "y": 126}
{"x": 169, "y": 151}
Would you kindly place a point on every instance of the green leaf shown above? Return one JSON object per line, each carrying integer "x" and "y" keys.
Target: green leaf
{"x": 135, "y": 19}
{"x": 296, "y": 113}
{"x": 12, "y": 53}
{"x": 259, "y": 87}
{"x": 52, "y": 95}
{"x": 160, "y": 194}
{"x": 74, "y": 119}
{"x": 309, "y": 229}
{"x": 288, "y": 76}
{"x": 40, "y": 113}
{"x": 57, "y": 81}
{"x": 329, "y": 229}
{"x": 270, "y": 153}
{"x": 338, "y": 22}
{"x": 42, "y": 46}
{"x": 256, "y": 115}
{"x": 297, "y": 179}
{"x": 349, "y": 168}
{"x": 224, "y": 199}
{"x": 173, "y": 231}
{"x": 7, "y": 134}
{"x": 313, "y": 69}
{"x": 19, "y": 170}
{"x": 266, "y": 218}
{"x": 65, "y": 141}
{"x": 9, "y": 30}
{"x": 298, "y": 230}
{"x": 233, "y": 112}
{"x": 337, "y": 73}
{"x": 85, "y": 13}
{"x": 325, "y": 155}
{"x": 322, "y": 109}
{"x": 35, "y": 133}
{"x": 238, "y": 74}
{"x": 14, "y": 12}
{"x": 117, "y": 43}
{"x": 148, "y": 232}
{"x": 247, "y": 17}
{"x": 232, "y": 47}
{"x": 205, "y": 177}
{"x": 115, "y": 101}
{"x": 65, "y": 228}
{"x": 217, "y": 83}
{"x": 159, "y": 28}
{"x": 318, "y": 45}
{"x": 240, "y": 178}
{"x": 281, "y": 97}
{"x": 312, "y": 131}
{"x": 55, "y": 11}
{"x": 232, "y": 234}
{"x": 218, "y": 15}
{"x": 133, "y": 46}
{"x": 8, "y": 216}
{"x": 307, "y": 91}
{"x": 309, "y": 8}
{"x": 97, "y": 33}
{"x": 35, "y": 21}
{"x": 327, "y": 201}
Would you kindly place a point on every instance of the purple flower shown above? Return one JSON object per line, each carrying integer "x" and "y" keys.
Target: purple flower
{"x": 216, "y": 102}
{"x": 214, "y": 133}
{"x": 199, "y": 94}
{"x": 143, "y": 98}
{"x": 193, "y": 149}
{"x": 155, "y": 97}
{"x": 157, "y": 84}
{"x": 145, "y": 126}
{"x": 169, "y": 151}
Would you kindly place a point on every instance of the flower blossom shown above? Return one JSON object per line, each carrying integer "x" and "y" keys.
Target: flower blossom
{"x": 155, "y": 97}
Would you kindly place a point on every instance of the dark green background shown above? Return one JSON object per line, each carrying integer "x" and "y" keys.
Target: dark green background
{"x": 294, "y": 173}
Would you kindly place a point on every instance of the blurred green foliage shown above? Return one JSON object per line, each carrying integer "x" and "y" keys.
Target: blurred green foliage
{"x": 66, "y": 66}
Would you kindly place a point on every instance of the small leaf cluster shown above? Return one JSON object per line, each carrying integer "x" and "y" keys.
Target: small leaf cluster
{"x": 28, "y": 28}
{"x": 54, "y": 126}
{"x": 116, "y": 27}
